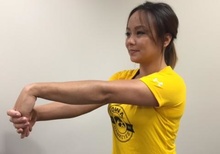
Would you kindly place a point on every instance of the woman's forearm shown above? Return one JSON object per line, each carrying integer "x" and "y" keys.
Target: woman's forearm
{"x": 77, "y": 92}
{"x": 56, "y": 110}
{"x": 69, "y": 93}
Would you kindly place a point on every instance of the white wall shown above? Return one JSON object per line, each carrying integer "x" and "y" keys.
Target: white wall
{"x": 60, "y": 40}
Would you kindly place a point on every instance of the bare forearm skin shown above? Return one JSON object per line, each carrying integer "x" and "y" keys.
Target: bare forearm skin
{"x": 56, "y": 110}
{"x": 78, "y": 92}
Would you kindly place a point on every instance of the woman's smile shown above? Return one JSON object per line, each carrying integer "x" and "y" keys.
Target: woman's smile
{"x": 133, "y": 51}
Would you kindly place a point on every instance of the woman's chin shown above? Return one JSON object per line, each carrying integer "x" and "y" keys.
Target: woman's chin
{"x": 134, "y": 60}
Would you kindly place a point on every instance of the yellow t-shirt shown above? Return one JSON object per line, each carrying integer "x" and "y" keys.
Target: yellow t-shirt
{"x": 149, "y": 130}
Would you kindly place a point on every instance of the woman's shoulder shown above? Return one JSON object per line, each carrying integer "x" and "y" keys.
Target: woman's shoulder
{"x": 166, "y": 75}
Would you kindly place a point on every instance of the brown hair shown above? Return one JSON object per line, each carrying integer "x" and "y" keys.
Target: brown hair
{"x": 166, "y": 22}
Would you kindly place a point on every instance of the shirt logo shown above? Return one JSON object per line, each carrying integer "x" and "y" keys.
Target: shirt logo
{"x": 122, "y": 128}
{"x": 159, "y": 84}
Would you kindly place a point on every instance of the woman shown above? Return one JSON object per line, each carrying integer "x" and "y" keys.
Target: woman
{"x": 145, "y": 105}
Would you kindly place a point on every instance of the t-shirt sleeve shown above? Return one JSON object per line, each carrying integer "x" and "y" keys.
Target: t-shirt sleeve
{"x": 115, "y": 76}
{"x": 168, "y": 90}
{"x": 123, "y": 75}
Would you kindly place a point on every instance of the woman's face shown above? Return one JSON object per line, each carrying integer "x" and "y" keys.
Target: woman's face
{"x": 141, "y": 45}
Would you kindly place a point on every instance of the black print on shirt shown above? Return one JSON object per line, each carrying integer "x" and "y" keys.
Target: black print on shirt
{"x": 122, "y": 128}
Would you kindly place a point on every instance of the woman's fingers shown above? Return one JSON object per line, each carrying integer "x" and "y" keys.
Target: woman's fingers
{"x": 13, "y": 113}
{"x": 20, "y": 130}
{"x": 18, "y": 120}
{"x": 25, "y": 132}
{"x": 21, "y": 122}
{"x": 22, "y": 126}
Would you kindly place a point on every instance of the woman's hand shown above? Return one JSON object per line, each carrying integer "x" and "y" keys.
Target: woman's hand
{"x": 22, "y": 124}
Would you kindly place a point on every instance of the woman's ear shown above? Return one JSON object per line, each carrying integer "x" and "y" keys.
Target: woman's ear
{"x": 167, "y": 39}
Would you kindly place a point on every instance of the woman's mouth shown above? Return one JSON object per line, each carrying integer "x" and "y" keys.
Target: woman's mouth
{"x": 133, "y": 51}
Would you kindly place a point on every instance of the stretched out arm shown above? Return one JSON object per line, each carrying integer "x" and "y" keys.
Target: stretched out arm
{"x": 86, "y": 92}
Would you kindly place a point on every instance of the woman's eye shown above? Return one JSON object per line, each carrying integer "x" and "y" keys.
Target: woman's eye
{"x": 127, "y": 34}
{"x": 140, "y": 33}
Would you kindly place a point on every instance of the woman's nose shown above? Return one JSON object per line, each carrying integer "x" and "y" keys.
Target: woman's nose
{"x": 130, "y": 40}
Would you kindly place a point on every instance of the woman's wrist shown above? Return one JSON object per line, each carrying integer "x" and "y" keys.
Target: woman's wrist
{"x": 31, "y": 89}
